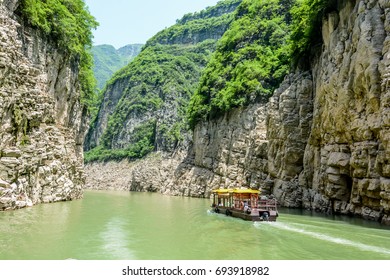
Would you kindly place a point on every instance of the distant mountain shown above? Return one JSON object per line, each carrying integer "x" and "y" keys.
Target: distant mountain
{"x": 108, "y": 60}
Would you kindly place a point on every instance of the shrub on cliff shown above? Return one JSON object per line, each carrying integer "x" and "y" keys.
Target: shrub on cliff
{"x": 251, "y": 59}
{"x": 256, "y": 53}
{"x": 307, "y": 16}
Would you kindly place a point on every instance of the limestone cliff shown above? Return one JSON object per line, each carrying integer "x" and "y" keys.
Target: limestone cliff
{"x": 42, "y": 120}
{"x": 345, "y": 161}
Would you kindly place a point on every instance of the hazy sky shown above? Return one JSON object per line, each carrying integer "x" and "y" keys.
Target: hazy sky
{"x": 124, "y": 22}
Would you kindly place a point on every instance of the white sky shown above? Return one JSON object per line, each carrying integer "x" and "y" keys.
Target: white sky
{"x": 125, "y": 22}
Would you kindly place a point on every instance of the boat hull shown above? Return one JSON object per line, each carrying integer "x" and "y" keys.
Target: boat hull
{"x": 255, "y": 216}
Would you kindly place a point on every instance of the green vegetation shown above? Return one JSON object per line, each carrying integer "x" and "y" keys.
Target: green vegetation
{"x": 195, "y": 27}
{"x": 192, "y": 31}
{"x": 142, "y": 143}
{"x": 159, "y": 75}
{"x": 256, "y": 53}
{"x": 251, "y": 60}
{"x": 221, "y": 8}
{"x": 307, "y": 19}
{"x": 108, "y": 60}
{"x": 69, "y": 24}
{"x": 158, "y": 84}
{"x": 246, "y": 65}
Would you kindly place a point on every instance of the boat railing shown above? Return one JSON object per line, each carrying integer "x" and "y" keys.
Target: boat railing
{"x": 267, "y": 204}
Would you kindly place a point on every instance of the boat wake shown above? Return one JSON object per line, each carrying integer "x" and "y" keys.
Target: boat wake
{"x": 324, "y": 237}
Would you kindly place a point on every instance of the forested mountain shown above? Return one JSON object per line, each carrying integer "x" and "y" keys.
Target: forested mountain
{"x": 108, "y": 60}
{"x": 144, "y": 104}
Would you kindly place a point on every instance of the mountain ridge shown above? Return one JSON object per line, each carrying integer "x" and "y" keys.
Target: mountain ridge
{"x": 108, "y": 60}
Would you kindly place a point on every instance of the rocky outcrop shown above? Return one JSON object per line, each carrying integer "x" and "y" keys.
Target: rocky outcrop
{"x": 150, "y": 174}
{"x": 42, "y": 125}
{"x": 351, "y": 121}
{"x": 111, "y": 97}
{"x": 288, "y": 128}
{"x": 228, "y": 152}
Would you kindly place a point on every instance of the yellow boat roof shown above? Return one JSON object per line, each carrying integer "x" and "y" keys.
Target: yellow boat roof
{"x": 236, "y": 191}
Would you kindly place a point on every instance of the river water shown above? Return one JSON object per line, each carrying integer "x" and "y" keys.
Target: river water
{"x": 144, "y": 226}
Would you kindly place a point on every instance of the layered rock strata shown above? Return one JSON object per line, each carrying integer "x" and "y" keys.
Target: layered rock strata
{"x": 228, "y": 152}
{"x": 151, "y": 174}
{"x": 344, "y": 166}
{"x": 42, "y": 127}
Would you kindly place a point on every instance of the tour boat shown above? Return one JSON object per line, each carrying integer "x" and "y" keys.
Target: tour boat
{"x": 246, "y": 204}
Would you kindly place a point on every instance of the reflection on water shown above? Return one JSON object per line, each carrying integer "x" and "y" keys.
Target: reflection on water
{"x": 122, "y": 225}
{"x": 115, "y": 240}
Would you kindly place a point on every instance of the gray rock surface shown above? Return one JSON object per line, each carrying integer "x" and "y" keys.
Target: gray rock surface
{"x": 42, "y": 121}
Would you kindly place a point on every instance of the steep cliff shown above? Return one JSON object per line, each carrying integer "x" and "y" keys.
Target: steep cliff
{"x": 144, "y": 105}
{"x": 42, "y": 120}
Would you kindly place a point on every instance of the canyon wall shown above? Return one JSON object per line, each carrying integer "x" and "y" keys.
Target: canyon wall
{"x": 42, "y": 121}
{"x": 322, "y": 140}
{"x": 326, "y": 146}
{"x": 348, "y": 150}
{"x": 327, "y": 128}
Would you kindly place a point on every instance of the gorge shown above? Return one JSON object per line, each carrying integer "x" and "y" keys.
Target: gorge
{"x": 205, "y": 106}
{"x": 320, "y": 142}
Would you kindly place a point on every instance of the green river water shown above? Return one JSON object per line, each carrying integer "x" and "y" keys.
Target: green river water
{"x": 145, "y": 226}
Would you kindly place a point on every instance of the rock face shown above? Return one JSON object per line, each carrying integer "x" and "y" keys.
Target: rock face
{"x": 351, "y": 120}
{"x": 339, "y": 152}
{"x": 289, "y": 124}
{"x": 228, "y": 152}
{"x": 42, "y": 125}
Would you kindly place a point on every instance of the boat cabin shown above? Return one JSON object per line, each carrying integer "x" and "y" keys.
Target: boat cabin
{"x": 244, "y": 203}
